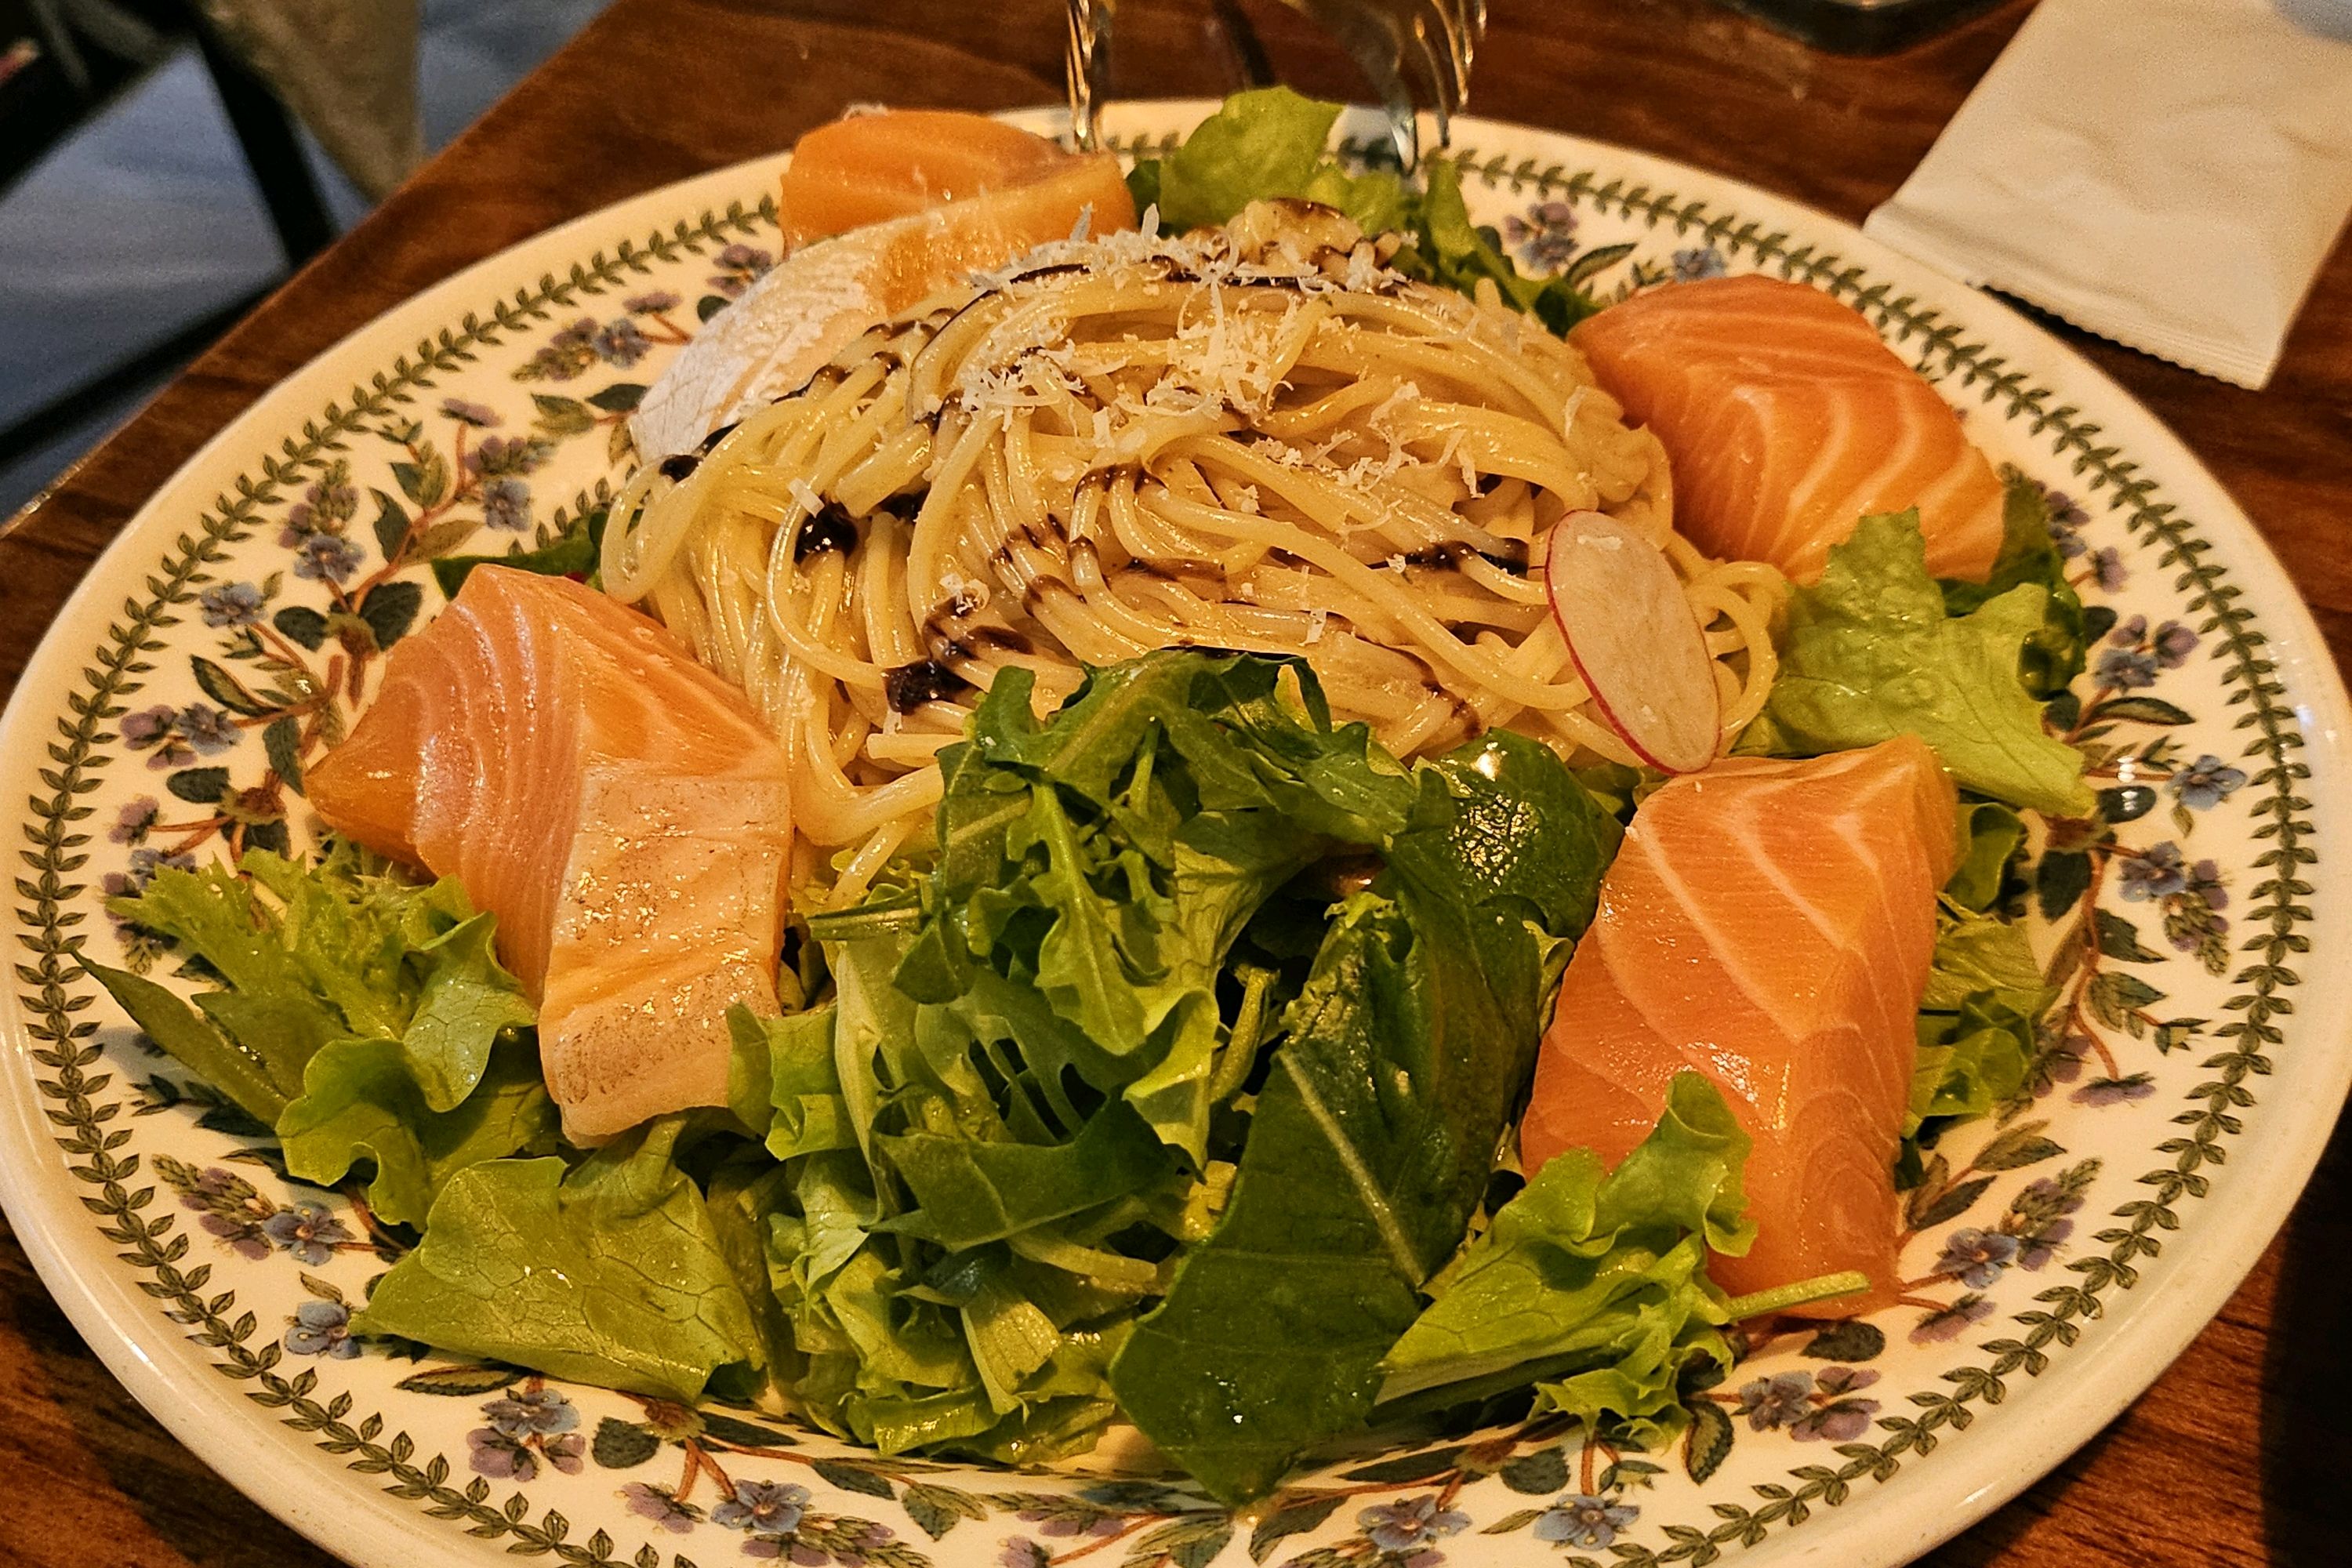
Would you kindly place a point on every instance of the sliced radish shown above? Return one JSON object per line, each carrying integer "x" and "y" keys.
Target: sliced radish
{"x": 1634, "y": 639}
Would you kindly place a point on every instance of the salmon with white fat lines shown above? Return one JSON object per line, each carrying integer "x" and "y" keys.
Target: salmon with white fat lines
{"x": 616, "y": 805}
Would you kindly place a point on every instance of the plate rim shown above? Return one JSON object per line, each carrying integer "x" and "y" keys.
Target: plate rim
{"x": 214, "y": 1418}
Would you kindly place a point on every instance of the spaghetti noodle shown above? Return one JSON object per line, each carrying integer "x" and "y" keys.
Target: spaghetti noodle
{"x": 1261, "y": 439}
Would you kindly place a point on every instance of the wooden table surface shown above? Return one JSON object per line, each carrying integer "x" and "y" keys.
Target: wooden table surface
{"x": 2231, "y": 1459}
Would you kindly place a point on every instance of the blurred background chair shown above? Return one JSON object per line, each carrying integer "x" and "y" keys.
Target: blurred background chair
{"x": 166, "y": 163}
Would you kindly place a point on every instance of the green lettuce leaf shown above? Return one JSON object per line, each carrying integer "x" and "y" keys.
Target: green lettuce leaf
{"x": 1264, "y": 143}
{"x": 574, "y": 554}
{"x": 1593, "y": 1286}
{"x": 1990, "y": 836}
{"x": 784, "y": 1083}
{"x": 1373, "y": 1138}
{"x": 897, "y": 1141}
{"x": 969, "y": 1192}
{"x": 307, "y": 955}
{"x": 465, "y": 1003}
{"x": 1978, "y": 1021}
{"x": 1870, "y": 653}
{"x": 1449, "y": 249}
{"x": 2028, "y": 554}
{"x": 1975, "y": 953}
{"x": 1093, "y": 871}
{"x": 612, "y": 1273}
{"x": 362, "y": 1100}
{"x": 1271, "y": 142}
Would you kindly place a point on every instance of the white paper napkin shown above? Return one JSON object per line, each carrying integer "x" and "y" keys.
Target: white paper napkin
{"x": 2169, "y": 173}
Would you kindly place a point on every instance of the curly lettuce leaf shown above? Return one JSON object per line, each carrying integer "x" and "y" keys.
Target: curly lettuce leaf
{"x": 612, "y": 1273}
{"x": 1373, "y": 1138}
{"x": 1978, "y": 1021}
{"x": 1871, "y": 653}
{"x": 1990, "y": 836}
{"x": 311, "y": 954}
{"x": 2028, "y": 554}
{"x": 1264, "y": 143}
{"x": 362, "y": 1100}
{"x": 1593, "y": 1285}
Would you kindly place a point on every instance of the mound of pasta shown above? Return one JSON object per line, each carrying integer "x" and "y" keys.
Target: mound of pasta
{"x": 1260, "y": 437}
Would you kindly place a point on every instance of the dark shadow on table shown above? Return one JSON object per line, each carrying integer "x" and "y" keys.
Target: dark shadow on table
{"x": 2307, "y": 1372}
{"x": 186, "y": 1508}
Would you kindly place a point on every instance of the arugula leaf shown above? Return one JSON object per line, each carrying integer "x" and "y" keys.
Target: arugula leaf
{"x": 612, "y": 1273}
{"x": 1374, "y": 1134}
{"x": 1449, "y": 249}
{"x": 1093, "y": 871}
{"x": 743, "y": 1195}
{"x": 362, "y": 1100}
{"x": 1871, "y": 653}
{"x": 970, "y": 1190}
{"x": 246, "y": 1076}
{"x": 1593, "y": 1285}
{"x": 573, "y": 554}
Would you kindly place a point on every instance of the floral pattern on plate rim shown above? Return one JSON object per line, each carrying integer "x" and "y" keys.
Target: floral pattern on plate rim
{"x": 293, "y": 639}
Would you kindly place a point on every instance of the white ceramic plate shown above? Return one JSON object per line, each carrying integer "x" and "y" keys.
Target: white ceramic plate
{"x": 2064, "y": 1255}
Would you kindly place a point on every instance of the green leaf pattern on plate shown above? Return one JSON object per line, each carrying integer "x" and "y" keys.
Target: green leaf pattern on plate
{"x": 270, "y": 611}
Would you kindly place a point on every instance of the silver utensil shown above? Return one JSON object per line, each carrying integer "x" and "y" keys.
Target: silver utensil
{"x": 1087, "y": 65}
{"x": 1416, "y": 52}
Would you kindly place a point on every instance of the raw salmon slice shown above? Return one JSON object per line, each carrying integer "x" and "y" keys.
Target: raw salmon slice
{"x": 800, "y": 314}
{"x": 616, "y": 805}
{"x": 870, "y": 167}
{"x": 1769, "y": 923}
{"x": 1786, "y": 420}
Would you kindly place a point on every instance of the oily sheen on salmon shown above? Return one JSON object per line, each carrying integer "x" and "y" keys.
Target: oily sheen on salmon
{"x": 1770, "y": 924}
{"x": 616, "y": 806}
{"x": 1786, "y": 419}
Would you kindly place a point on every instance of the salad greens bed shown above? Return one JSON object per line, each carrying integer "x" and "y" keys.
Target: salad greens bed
{"x": 1176, "y": 1078}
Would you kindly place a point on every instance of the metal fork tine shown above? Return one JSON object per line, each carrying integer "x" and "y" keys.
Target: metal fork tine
{"x": 1439, "y": 70}
{"x": 1462, "y": 44}
{"x": 1408, "y": 50}
{"x": 1087, "y": 65}
{"x": 1249, "y": 49}
{"x": 1374, "y": 39}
